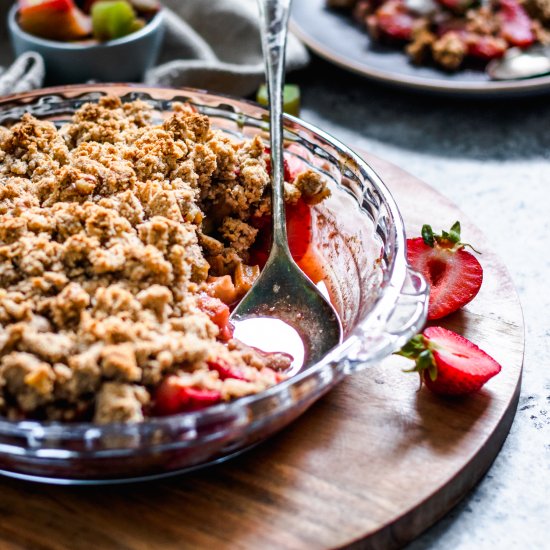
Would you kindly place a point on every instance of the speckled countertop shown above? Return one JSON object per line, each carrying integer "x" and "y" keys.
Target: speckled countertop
{"x": 493, "y": 160}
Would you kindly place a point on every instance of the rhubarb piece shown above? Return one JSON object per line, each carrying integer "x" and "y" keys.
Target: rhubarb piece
{"x": 291, "y": 98}
{"x": 54, "y": 19}
{"x": 112, "y": 19}
{"x": 448, "y": 363}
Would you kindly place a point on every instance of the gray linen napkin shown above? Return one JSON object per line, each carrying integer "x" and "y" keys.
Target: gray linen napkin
{"x": 211, "y": 44}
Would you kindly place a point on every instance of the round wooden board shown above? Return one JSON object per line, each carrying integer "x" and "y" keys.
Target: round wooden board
{"x": 372, "y": 464}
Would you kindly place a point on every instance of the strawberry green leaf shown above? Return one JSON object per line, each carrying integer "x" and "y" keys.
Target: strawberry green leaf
{"x": 455, "y": 232}
{"x": 428, "y": 236}
{"x": 413, "y": 348}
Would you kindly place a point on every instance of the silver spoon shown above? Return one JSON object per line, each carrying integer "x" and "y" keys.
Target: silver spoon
{"x": 517, "y": 64}
{"x": 282, "y": 291}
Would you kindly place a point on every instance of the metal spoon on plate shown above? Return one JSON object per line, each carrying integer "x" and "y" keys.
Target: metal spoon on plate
{"x": 517, "y": 64}
{"x": 282, "y": 293}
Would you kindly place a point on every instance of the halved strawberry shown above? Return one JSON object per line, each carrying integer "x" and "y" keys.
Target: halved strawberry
{"x": 454, "y": 275}
{"x": 448, "y": 363}
{"x": 516, "y": 26}
{"x": 172, "y": 397}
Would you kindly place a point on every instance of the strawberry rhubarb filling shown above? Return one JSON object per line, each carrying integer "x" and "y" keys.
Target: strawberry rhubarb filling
{"x": 123, "y": 245}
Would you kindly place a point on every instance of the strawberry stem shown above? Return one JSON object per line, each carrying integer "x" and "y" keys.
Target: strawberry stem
{"x": 448, "y": 239}
{"x": 417, "y": 348}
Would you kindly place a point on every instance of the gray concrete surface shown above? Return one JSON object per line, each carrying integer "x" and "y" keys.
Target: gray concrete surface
{"x": 493, "y": 160}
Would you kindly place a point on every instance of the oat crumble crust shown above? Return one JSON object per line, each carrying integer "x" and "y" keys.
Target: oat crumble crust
{"x": 110, "y": 229}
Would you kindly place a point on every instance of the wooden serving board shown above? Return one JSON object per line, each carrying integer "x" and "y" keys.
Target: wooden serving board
{"x": 372, "y": 464}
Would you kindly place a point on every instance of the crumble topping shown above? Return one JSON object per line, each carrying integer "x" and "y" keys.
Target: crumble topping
{"x": 114, "y": 235}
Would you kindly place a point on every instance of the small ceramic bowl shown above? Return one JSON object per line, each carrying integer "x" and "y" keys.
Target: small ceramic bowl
{"x": 123, "y": 60}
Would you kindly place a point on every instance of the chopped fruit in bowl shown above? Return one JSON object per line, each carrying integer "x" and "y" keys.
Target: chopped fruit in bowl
{"x": 102, "y": 40}
{"x": 66, "y": 21}
{"x": 448, "y": 363}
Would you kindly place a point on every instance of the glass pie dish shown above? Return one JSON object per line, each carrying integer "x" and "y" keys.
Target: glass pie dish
{"x": 360, "y": 238}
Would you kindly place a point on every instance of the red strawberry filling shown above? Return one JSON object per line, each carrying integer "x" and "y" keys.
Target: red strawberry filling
{"x": 173, "y": 397}
{"x": 299, "y": 226}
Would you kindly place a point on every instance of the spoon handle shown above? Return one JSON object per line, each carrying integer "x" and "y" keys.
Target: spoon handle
{"x": 274, "y": 16}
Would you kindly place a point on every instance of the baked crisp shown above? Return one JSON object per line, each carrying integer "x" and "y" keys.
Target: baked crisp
{"x": 451, "y": 34}
{"x": 118, "y": 237}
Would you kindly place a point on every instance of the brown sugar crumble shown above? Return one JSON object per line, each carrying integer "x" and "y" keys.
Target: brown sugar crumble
{"x": 120, "y": 241}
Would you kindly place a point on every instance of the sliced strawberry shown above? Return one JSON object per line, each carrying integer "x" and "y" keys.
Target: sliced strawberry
{"x": 172, "y": 397}
{"x": 448, "y": 363}
{"x": 485, "y": 47}
{"x": 218, "y": 313}
{"x": 224, "y": 369}
{"x": 54, "y": 19}
{"x": 516, "y": 26}
{"x": 454, "y": 275}
{"x": 392, "y": 20}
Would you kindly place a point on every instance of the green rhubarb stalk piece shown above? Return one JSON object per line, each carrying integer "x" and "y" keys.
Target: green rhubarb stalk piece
{"x": 291, "y": 98}
{"x": 112, "y": 19}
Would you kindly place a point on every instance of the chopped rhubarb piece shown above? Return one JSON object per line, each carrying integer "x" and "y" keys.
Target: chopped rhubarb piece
{"x": 225, "y": 370}
{"x": 112, "y": 19}
{"x": 172, "y": 397}
{"x": 54, "y": 19}
{"x": 218, "y": 313}
{"x": 516, "y": 25}
{"x": 291, "y": 98}
{"x": 222, "y": 288}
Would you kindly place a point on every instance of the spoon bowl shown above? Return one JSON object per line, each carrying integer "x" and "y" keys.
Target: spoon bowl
{"x": 519, "y": 64}
{"x": 282, "y": 291}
